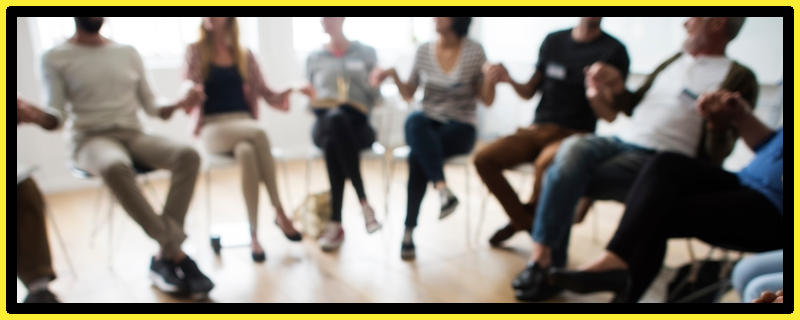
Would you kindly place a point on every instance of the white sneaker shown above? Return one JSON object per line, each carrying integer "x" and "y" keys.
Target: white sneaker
{"x": 332, "y": 237}
{"x": 370, "y": 222}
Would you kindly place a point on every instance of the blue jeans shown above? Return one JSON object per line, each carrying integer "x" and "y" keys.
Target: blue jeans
{"x": 599, "y": 167}
{"x": 756, "y": 273}
{"x": 431, "y": 142}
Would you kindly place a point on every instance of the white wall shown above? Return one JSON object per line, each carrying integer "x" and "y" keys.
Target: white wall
{"x": 759, "y": 46}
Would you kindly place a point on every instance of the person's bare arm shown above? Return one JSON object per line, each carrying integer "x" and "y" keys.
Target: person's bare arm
{"x": 491, "y": 75}
{"x": 528, "y": 89}
{"x": 406, "y": 89}
{"x": 28, "y": 113}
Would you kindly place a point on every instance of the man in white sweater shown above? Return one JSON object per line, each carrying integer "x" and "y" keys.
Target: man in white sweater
{"x": 97, "y": 86}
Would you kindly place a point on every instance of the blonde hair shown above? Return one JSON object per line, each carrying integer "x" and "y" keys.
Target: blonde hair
{"x": 206, "y": 46}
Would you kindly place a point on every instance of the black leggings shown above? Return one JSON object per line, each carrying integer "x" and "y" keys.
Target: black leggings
{"x": 342, "y": 133}
{"x": 678, "y": 197}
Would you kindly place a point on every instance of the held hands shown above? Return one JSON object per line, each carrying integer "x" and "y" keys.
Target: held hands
{"x": 495, "y": 73}
{"x": 603, "y": 80}
{"x": 281, "y": 100}
{"x": 377, "y": 76}
{"x": 769, "y": 297}
{"x": 308, "y": 91}
{"x": 722, "y": 108}
{"x": 194, "y": 97}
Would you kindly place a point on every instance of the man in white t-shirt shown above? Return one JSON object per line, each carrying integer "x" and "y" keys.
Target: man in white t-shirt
{"x": 664, "y": 117}
{"x": 97, "y": 87}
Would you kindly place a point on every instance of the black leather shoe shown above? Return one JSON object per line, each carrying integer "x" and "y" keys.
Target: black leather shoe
{"x": 542, "y": 291}
{"x": 616, "y": 281}
{"x": 41, "y": 296}
{"x": 532, "y": 284}
{"x": 501, "y": 235}
{"x": 531, "y": 276}
{"x": 296, "y": 237}
{"x": 407, "y": 251}
{"x": 259, "y": 256}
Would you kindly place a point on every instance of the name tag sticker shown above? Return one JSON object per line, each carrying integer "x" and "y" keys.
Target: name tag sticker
{"x": 355, "y": 65}
{"x": 556, "y": 71}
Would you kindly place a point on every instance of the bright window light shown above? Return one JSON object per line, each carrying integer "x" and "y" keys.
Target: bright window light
{"x": 161, "y": 41}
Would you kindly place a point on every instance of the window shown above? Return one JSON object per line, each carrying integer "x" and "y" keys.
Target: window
{"x": 395, "y": 39}
{"x": 161, "y": 41}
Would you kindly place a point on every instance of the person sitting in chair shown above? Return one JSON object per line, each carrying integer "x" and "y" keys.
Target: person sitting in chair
{"x": 105, "y": 85}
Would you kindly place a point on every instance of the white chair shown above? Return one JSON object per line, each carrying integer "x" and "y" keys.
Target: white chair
{"x": 525, "y": 171}
{"x": 141, "y": 171}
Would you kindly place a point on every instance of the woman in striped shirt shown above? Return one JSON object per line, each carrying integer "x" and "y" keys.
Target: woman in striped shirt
{"x": 449, "y": 70}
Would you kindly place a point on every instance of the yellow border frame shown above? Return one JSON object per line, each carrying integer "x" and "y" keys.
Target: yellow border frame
{"x": 3, "y": 68}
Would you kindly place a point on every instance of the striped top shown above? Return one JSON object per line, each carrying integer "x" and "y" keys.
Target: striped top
{"x": 449, "y": 96}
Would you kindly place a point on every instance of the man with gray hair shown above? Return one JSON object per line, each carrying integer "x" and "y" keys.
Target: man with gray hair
{"x": 663, "y": 117}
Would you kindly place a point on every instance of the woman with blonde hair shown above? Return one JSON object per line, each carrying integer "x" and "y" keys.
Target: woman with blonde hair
{"x": 226, "y": 122}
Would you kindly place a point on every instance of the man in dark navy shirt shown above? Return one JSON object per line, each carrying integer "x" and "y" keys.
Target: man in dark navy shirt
{"x": 563, "y": 110}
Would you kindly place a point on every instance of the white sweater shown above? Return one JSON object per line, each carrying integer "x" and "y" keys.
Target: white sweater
{"x": 96, "y": 88}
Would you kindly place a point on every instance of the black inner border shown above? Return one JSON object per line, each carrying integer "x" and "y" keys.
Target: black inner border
{"x": 786, "y": 12}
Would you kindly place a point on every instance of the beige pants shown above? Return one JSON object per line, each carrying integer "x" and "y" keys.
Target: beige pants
{"x": 110, "y": 154}
{"x": 242, "y": 135}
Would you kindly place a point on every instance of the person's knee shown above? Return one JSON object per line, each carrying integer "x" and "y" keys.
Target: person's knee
{"x": 573, "y": 152}
{"x": 244, "y": 150}
{"x": 116, "y": 169}
{"x": 187, "y": 157}
{"x": 335, "y": 118}
{"x": 485, "y": 159}
{"x": 262, "y": 139}
{"x": 415, "y": 121}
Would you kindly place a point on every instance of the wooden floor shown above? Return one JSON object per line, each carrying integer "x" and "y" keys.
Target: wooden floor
{"x": 367, "y": 268}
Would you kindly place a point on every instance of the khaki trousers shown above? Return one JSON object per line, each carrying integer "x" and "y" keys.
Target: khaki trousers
{"x": 240, "y": 134}
{"x": 110, "y": 154}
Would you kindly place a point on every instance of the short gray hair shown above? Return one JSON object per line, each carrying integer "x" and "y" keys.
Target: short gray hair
{"x": 732, "y": 26}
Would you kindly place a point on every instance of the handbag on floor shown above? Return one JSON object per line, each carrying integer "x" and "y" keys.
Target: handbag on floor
{"x": 314, "y": 213}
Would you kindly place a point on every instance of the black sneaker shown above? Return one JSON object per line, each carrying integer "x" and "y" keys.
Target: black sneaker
{"x": 164, "y": 276}
{"x": 41, "y": 296}
{"x": 407, "y": 250}
{"x": 197, "y": 284}
{"x": 448, "y": 207}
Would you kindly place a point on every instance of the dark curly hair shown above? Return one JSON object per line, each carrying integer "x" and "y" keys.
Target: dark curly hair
{"x": 461, "y": 26}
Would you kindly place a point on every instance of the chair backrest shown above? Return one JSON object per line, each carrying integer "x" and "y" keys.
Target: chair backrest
{"x": 388, "y": 119}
